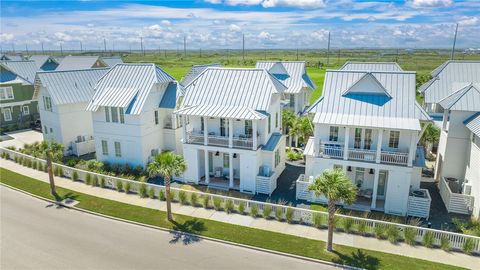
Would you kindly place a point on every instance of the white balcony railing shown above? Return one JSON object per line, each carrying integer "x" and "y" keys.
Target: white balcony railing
{"x": 398, "y": 158}
{"x": 362, "y": 154}
{"x": 212, "y": 139}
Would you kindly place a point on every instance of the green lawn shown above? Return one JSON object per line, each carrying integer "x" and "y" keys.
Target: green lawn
{"x": 234, "y": 233}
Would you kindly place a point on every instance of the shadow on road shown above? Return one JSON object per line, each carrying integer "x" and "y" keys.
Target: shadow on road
{"x": 184, "y": 231}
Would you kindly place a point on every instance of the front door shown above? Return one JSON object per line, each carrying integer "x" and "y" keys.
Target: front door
{"x": 222, "y": 127}
{"x": 382, "y": 183}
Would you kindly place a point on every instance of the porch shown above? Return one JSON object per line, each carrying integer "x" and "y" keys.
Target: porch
{"x": 221, "y": 183}
{"x": 213, "y": 139}
{"x": 219, "y": 169}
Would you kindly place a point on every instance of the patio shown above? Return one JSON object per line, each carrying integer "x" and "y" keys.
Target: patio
{"x": 221, "y": 183}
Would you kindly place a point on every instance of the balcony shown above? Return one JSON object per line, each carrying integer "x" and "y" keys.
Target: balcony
{"x": 240, "y": 141}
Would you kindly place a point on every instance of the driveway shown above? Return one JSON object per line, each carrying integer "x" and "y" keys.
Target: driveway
{"x": 38, "y": 235}
{"x": 21, "y": 137}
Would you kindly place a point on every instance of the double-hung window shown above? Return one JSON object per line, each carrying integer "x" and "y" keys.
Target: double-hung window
{"x": 26, "y": 110}
{"x": 114, "y": 114}
{"x": 122, "y": 115}
{"x": 7, "y": 114}
{"x": 276, "y": 120}
{"x": 47, "y": 103}
{"x": 118, "y": 149}
{"x": 357, "y": 143}
{"x": 394, "y": 139}
{"x": 107, "y": 114}
{"x": 248, "y": 128}
{"x": 104, "y": 148}
{"x": 269, "y": 123}
{"x": 6, "y": 93}
{"x": 333, "y": 134}
{"x": 156, "y": 117}
{"x": 277, "y": 157}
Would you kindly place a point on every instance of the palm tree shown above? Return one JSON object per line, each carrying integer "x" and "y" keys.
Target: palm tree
{"x": 430, "y": 136}
{"x": 288, "y": 119}
{"x": 51, "y": 152}
{"x": 305, "y": 128}
{"x": 167, "y": 164}
{"x": 336, "y": 187}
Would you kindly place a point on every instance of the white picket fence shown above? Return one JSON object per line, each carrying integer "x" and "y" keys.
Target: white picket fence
{"x": 301, "y": 215}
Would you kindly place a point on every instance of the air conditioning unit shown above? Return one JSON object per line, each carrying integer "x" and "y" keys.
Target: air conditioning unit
{"x": 265, "y": 171}
{"x": 467, "y": 189}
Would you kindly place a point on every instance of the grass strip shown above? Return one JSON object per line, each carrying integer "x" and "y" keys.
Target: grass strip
{"x": 239, "y": 234}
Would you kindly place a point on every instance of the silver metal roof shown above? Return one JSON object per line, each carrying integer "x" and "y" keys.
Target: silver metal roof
{"x": 80, "y": 62}
{"x": 10, "y": 57}
{"x": 296, "y": 77}
{"x": 446, "y": 76}
{"x": 67, "y": 87}
{"x": 170, "y": 96}
{"x": 112, "y": 61}
{"x": 354, "y": 98}
{"x": 473, "y": 124}
{"x": 40, "y": 60}
{"x": 466, "y": 98}
{"x": 195, "y": 71}
{"x": 24, "y": 69}
{"x": 371, "y": 66}
{"x": 243, "y": 93}
{"x": 127, "y": 86}
{"x": 272, "y": 142}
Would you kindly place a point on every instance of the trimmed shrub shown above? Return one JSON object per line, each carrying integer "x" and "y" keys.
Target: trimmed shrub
{"x": 119, "y": 185}
{"x": 102, "y": 182}
{"x": 142, "y": 190}
{"x": 15, "y": 159}
{"x": 182, "y": 196}
{"x": 56, "y": 171}
{"x": 151, "y": 193}
{"x": 194, "y": 199}
{"x": 362, "y": 227}
{"x": 173, "y": 195}
{"x": 267, "y": 211}
{"x": 428, "y": 239}
{"x": 94, "y": 181}
{"x": 468, "y": 246}
{"x": 289, "y": 215}
{"x": 347, "y": 224}
{"x": 229, "y": 206}
{"x": 445, "y": 243}
{"x": 393, "y": 234}
{"x": 241, "y": 208}
{"x": 409, "y": 235}
{"x": 45, "y": 167}
{"x": 206, "y": 201}
{"x": 74, "y": 176}
{"x": 20, "y": 160}
{"x": 217, "y": 203}
{"x": 88, "y": 179}
{"x": 318, "y": 220}
{"x": 161, "y": 195}
{"x": 379, "y": 231}
{"x": 127, "y": 187}
{"x": 254, "y": 210}
{"x": 278, "y": 213}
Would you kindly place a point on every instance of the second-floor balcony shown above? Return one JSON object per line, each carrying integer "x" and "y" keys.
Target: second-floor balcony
{"x": 213, "y": 139}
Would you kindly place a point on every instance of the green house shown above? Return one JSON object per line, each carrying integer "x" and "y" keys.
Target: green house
{"x": 17, "y": 109}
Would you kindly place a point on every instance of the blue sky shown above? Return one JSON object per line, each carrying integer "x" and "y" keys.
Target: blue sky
{"x": 213, "y": 24}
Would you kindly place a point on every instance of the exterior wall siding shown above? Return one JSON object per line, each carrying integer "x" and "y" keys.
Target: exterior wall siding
{"x": 22, "y": 97}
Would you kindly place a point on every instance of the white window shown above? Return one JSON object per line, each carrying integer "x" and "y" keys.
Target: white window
{"x": 122, "y": 115}
{"x": 277, "y": 157}
{"x": 276, "y": 119}
{"x": 394, "y": 139}
{"x": 51, "y": 130}
{"x": 226, "y": 160}
{"x": 104, "y": 148}
{"x": 269, "y": 123}
{"x": 248, "y": 128}
{"x": 26, "y": 110}
{"x": 47, "y": 104}
{"x": 6, "y": 93}
{"x": 118, "y": 149}
{"x": 292, "y": 100}
{"x": 45, "y": 129}
{"x": 7, "y": 114}
{"x": 114, "y": 112}
{"x": 156, "y": 117}
{"x": 107, "y": 114}
{"x": 333, "y": 134}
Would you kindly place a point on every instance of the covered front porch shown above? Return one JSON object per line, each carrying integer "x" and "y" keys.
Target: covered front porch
{"x": 220, "y": 170}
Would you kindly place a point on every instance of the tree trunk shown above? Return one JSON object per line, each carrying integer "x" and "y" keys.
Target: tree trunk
{"x": 289, "y": 140}
{"x": 50, "y": 177}
{"x": 168, "y": 199}
{"x": 331, "y": 217}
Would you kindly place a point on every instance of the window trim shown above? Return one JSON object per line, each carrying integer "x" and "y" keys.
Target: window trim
{"x": 5, "y": 90}
{"x": 118, "y": 151}
{"x": 107, "y": 114}
{"x": 4, "y": 112}
{"x": 114, "y": 115}
{"x": 391, "y": 140}
{"x": 226, "y": 160}
{"x": 25, "y": 110}
{"x": 333, "y": 134}
{"x": 155, "y": 117}
{"x": 104, "y": 147}
{"x": 121, "y": 113}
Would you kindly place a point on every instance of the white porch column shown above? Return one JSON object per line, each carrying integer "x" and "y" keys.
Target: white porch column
{"x": 205, "y": 130}
{"x": 230, "y": 133}
{"x": 347, "y": 139}
{"x": 207, "y": 172}
{"x": 184, "y": 128}
{"x": 230, "y": 162}
{"x": 412, "y": 150}
{"x": 316, "y": 141}
{"x": 254, "y": 134}
{"x": 379, "y": 145}
{"x": 174, "y": 121}
{"x": 375, "y": 188}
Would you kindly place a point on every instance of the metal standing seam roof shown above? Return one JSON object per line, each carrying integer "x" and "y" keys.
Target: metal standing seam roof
{"x": 8, "y": 57}
{"x": 340, "y": 104}
{"x": 24, "y": 69}
{"x": 243, "y": 93}
{"x": 473, "y": 124}
{"x": 195, "y": 71}
{"x": 272, "y": 142}
{"x": 466, "y": 98}
{"x": 80, "y": 62}
{"x": 127, "y": 86}
{"x": 40, "y": 60}
{"x": 171, "y": 96}
{"x": 67, "y": 87}
{"x": 297, "y": 77}
{"x": 371, "y": 66}
{"x": 446, "y": 75}
{"x": 112, "y": 61}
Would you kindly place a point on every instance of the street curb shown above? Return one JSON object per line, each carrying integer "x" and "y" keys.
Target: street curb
{"x": 185, "y": 233}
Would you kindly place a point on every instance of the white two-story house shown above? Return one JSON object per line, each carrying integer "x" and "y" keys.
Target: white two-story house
{"x": 62, "y": 97}
{"x": 293, "y": 74}
{"x": 368, "y": 124}
{"x": 472, "y": 171}
{"x": 233, "y": 139}
{"x": 132, "y": 114}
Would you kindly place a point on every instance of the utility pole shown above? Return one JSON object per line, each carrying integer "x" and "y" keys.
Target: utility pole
{"x": 265, "y": 53}
{"x": 104, "y": 45}
{"x": 328, "y": 49}
{"x": 43, "y": 51}
{"x": 165, "y": 53}
{"x": 243, "y": 47}
{"x": 200, "y": 52}
{"x": 184, "y": 46}
{"x": 26, "y": 48}
{"x": 81, "y": 47}
{"x": 454, "y": 42}
{"x": 61, "y": 49}
{"x": 13, "y": 47}
{"x": 297, "y": 53}
{"x": 141, "y": 46}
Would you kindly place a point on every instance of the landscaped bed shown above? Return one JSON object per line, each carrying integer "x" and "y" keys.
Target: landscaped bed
{"x": 239, "y": 234}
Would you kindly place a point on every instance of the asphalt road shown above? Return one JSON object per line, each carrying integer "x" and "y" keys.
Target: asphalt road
{"x": 38, "y": 235}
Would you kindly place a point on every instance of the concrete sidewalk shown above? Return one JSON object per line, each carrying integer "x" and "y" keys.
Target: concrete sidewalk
{"x": 371, "y": 243}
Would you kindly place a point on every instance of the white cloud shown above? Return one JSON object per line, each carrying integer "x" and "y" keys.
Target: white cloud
{"x": 5, "y": 37}
{"x": 166, "y": 22}
{"x": 468, "y": 21}
{"x": 234, "y": 28}
{"x": 294, "y": 3}
{"x": 264, "y": 35}
{"x": 154, "y": 27}
{"x": 430, "y": 3}
{"x": 60, "y": 36}
{"x": 242, "y": 2}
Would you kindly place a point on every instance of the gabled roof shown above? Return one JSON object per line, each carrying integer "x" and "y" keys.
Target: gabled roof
{"x": 195, "y": 71}
{"x": 466, "y": 98}
{"x": 371, "y": 66}
{"x": 10, "y": 57}
{"x": 112, "y": 61}
{"x": 25, "y": 70}
{"x": 397, "y": 109}
{"x": 446, "y": 76}
{"x": 80, "y": 62}
{"x": 297, "y": 77}
{"x": 70, "y": 86}
{"x": 40, "y": 60}
{"x": 367, "y": 84}
{"x": 473, "y": 124}
{"x": 127, "y": 86}
{"x": 243, "y": 93}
